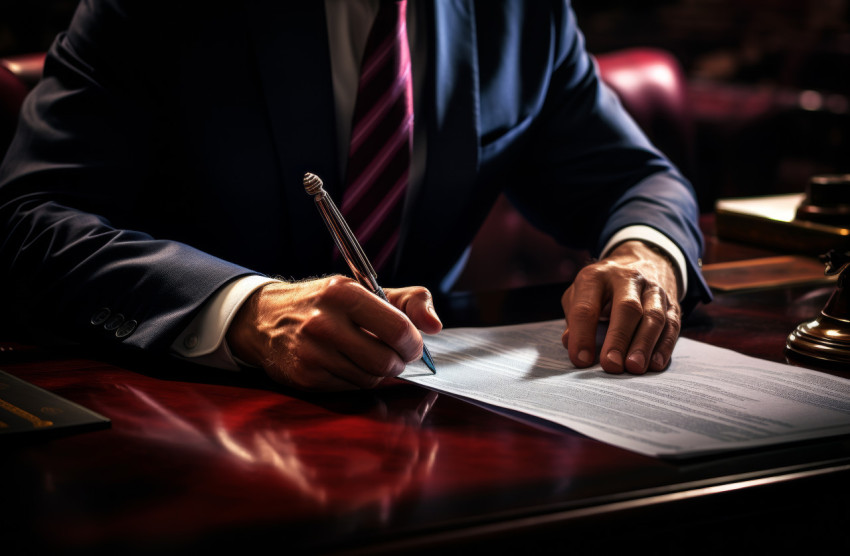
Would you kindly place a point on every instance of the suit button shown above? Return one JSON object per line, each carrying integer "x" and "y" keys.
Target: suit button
{"x": 125, "y": 329}
{"x": 100, "y": 317}
{"x": 114, "y": 321}
{"x": 191, "y": 342}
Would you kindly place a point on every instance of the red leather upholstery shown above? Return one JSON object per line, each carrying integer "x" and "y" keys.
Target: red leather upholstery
{"x": 12, "y": 93}
{"x": 26, "y": 67}
{"x": 508, "y": 252}
{"x": 653, "y": 89}
{"x": 18, "y": 75}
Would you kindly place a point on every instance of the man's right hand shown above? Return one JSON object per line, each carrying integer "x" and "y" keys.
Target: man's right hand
{"x": 330, "y": 333}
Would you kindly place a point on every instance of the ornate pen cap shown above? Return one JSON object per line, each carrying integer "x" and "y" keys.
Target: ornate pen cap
{"x": 313, "y": 184}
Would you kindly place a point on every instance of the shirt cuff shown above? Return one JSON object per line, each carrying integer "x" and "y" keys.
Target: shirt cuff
{"x": 203, "y": 341}
{"x": 659, "y": 240}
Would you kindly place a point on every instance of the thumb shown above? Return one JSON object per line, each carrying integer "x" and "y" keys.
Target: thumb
{"x": 418, "y": 304}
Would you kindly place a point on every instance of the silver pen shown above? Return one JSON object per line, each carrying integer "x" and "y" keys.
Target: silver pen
{"x": 349, "y": 247}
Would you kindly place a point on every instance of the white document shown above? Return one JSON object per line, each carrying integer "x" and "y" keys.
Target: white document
{"x": 775, "y": 207}
{"x": 709, "y": 400}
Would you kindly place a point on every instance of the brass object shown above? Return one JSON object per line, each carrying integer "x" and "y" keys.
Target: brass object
{"x": 827, "y": 338}
{"x": 827, "y": 200}
{"x": 34, "y": 420}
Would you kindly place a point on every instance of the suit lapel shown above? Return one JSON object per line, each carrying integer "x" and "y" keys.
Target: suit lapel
{"x": 299, "y": 100}
{"x": 451, "y": 100}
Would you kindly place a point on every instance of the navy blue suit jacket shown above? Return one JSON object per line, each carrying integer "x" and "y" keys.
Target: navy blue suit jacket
{"x": 162, "y": 155}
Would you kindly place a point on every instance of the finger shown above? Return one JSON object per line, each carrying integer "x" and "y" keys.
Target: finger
{"x": 648, "y": 331}
{"x": 626, "y": 314}
{"x": 418, "y": 304}
{"x": 313, "y": 373}
{"x": 667, "y": 342}
{"x": 582, "y": 305}
{"x": 331, "y": 347}
{"x": 385, "y": 322}
{"x": 369, "y": 358}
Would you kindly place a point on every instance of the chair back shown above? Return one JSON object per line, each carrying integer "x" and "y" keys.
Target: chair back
{"x": 18, "y": 74}
{"x": 652, "y": 86}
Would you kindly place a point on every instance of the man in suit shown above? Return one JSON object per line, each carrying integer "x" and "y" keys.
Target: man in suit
{"x": 154, "y": 185}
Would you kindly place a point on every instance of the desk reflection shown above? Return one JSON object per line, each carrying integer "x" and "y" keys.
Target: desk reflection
{"x": 257, "y": 436}
{"x": 197, "y": 460}
{"x": 182, "y": 461}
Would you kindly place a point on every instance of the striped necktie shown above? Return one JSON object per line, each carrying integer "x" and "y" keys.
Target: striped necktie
{"x": 381, "y": 137}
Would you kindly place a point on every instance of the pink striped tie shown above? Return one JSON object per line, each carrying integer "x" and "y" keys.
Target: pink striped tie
{"x": 381, "y": 136}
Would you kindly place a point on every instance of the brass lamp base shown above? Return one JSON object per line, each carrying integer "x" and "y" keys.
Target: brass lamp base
{"x": 825, "y": 339}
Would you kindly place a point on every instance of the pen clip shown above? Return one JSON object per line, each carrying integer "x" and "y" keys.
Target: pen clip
{"x": 360, "y": 259}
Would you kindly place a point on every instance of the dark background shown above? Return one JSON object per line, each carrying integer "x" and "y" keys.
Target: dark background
{"x": 769, "y": 83}
{"x": 769, "y": 80}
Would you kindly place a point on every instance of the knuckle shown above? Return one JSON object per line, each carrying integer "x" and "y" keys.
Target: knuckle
{"x": 338, "y": 288}
{"x": 319, "y": 324}
{"x": 674, "y": 326}
{"x": 390, "y": 366}
{"x": 415, "y": 295}
{"x": 666, "y": 344}
{"x": 654, "y": 316}
{"x": 674, "y": 319}
{"x": 592, "y": 272}
{"x": 632, "y": 306}
{"x": 653, "y": 291}
{"x": 420, "y": 291}
{"x": 618, "y": 339}
{"x": 635, "y": 276}
{"x": 583, "y": 310}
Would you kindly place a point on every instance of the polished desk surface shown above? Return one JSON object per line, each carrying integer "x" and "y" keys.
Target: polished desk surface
{"x": 198, "y": 459}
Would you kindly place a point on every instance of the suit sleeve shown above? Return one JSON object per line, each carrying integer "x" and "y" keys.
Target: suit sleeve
{"x": 596, "y": 168}
{"x": 72, "y": 265}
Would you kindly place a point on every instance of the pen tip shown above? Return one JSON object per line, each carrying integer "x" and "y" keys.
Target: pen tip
{"x": 429, "y": 362}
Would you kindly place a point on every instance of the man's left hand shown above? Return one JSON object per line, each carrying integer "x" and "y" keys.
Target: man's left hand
{"x": 635, "y": 288}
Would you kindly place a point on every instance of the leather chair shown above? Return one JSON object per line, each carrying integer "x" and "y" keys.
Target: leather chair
{"x": 508, "y": 252}
{"x": 653, "y": 89}
{"x": 18, "y": 74}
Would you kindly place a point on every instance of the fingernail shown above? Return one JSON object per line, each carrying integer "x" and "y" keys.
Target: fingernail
{"x": 585, "y": 357}
{"x": 658, "y": 360}
{"x": 615, "y": 357}
{"x": 637, "y": 359}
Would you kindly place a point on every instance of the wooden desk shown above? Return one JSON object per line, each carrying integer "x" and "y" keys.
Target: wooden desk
{"x": 201, "y": 460}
